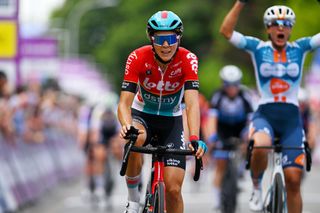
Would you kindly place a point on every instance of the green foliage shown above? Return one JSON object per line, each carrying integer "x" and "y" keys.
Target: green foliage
{"x": 110, "y": 34}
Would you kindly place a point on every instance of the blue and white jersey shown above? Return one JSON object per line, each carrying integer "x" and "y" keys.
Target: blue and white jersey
{"x": 278, "y": 74}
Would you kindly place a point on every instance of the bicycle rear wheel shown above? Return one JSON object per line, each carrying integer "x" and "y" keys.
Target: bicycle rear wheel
{"x": 278, "y": 195}
{"x": 158, "y": 199}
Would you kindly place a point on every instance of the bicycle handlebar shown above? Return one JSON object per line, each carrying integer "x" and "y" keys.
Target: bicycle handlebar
{"x": 278, "y": 148}
{"x": 163, "y": 150}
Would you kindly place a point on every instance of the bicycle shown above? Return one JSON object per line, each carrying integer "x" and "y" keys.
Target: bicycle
{"x": 229, "y": 186}
{"x": 275, "y": 199}
{"x": 155, "y": 194}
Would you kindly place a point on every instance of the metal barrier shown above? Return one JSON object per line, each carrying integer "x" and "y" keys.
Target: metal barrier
{"x": 27, "y": 170}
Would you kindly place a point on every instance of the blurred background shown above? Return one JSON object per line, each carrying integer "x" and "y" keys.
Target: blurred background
{"x": 61, "y": 67}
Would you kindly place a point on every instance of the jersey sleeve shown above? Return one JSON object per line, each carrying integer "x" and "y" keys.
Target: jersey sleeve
{"x": 247, "y": 43}
{"x": 309, "y": 43}
{"x": 131, "y": 74}
{"x": 191, "y": 80}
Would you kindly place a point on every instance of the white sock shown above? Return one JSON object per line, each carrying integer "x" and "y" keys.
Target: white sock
{"x": 99, "y": 181}
{"x": 133, "y": 191}
{"x": 216, "y": 197}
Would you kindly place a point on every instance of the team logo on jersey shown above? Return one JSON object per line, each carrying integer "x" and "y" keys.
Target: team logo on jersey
{"x": 161, "y": 85}
{"x": 175, "y": 73}
{"x": 132, "y": 56}
{"x": 278, "y": 86}
{"x": 279, "y": 70}
{"x": 193, "y": 62}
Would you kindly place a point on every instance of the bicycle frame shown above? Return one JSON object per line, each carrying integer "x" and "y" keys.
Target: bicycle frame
{"x": 277, "y": 169}
{"x": 158, "y": 154}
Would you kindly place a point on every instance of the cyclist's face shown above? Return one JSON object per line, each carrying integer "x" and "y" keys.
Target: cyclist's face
{"x": 232, "y": 90}
{"x": 167, "y": 49}
{"x": 279, "y": 35}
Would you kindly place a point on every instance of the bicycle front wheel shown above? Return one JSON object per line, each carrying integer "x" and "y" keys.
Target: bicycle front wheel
{"x": 278, "y": 195}
{"x": 158, "y": 199}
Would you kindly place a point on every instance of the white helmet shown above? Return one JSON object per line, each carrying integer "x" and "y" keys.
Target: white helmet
{"x": 279, "y": 12}
{"x": 231, "y": 74}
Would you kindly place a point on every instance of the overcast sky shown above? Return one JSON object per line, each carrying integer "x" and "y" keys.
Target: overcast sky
{"x": 34, "y": 14}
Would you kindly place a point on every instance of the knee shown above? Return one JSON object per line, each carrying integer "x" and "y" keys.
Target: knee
{"x": 293, "y": 183}
{"x": 173, "y": 192}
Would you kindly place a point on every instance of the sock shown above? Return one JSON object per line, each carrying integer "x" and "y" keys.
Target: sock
{"x": 99, "y": 181}
{"x": 133, "y": 188}
{"x": 216, "y": 197}
{"x": 256, "y": 181}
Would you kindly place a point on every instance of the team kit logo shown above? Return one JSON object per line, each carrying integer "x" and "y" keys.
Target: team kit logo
{"x": 276, "y": 72}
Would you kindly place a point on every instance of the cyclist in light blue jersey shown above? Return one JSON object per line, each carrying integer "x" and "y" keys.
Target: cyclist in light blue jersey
{"x": 278, "y": 67}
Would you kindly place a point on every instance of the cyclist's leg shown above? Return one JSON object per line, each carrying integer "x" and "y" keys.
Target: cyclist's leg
{"x": 133, "y": 172}
{"x": 262, "y": 134}
{"x": 173, "y": 178}
{"x": 293, "y": 178}
{"x": 293, "y": 162}
{"x": 174, "y": 171}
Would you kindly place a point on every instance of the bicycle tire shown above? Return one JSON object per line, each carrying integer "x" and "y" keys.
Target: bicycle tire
{"x": 158, "y": 199}
{"x": 229, "y": 189}
{"x": 278, "y": 195}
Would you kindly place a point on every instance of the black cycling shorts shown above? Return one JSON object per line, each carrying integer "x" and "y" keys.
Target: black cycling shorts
{"x": 168, "y": 130}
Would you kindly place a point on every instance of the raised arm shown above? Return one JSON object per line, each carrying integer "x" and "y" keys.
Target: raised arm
{"x": 231, "y": 19}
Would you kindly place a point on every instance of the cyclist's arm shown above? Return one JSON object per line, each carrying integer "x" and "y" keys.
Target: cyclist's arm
{"x": 129, "y": 88}
{"x": 230, "y": 20}
{"x": 309, "y": 43}
{"x": 192, "y": 111}
{"x": 315, "y": 41}
{"x": 124, "y": 109}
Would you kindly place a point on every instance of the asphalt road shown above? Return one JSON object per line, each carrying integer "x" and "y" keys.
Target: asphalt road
{"x": 67, "y": 198}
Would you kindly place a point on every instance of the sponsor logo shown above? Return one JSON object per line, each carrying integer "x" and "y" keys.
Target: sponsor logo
{"x": 175, "y": 73}
{"x": 300, "y": 160}
{"x": 279, "y": 70}
{"x": 166, "y": 100}
{"x": 170, "y": 145}
{"x": 193, "y": 61}
{"x": 173, "y": 162}
{"x": 132, "y": 56}
{"x": 278, "y": 86}
{"x": 166, "y": 86}
{"x": 125, "y": 85}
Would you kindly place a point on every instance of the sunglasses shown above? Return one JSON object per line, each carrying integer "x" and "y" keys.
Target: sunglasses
{"x": 283, "y": 23}
{"x": 158, "y": 40}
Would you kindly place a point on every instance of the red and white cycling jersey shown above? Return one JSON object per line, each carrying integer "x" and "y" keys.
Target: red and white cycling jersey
{"x": 160, "y": 91}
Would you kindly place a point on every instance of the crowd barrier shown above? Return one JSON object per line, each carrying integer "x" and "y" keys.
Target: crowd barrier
{"x": 27, "y": 170}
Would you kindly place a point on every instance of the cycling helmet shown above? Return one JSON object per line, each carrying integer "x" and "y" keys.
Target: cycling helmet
{"x": 279, "y": 12}
{"x": 231, "y": 74}
{"x": 164, "y": 21}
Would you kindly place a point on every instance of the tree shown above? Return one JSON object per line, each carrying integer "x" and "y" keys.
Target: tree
{"x": 110, "y": 34}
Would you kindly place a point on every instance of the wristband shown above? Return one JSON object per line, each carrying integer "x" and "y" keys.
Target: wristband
{"x": 243, "y": 1}
{"x": 193, "y": 138}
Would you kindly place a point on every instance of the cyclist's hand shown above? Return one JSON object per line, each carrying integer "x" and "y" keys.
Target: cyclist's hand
{"x": 124, "y": 130}
{"x": 200, "y": 146}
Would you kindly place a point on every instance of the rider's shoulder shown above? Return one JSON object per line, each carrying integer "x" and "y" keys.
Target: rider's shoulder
{"x": 185, "y": 53}
{"x": 146, "y": 49}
